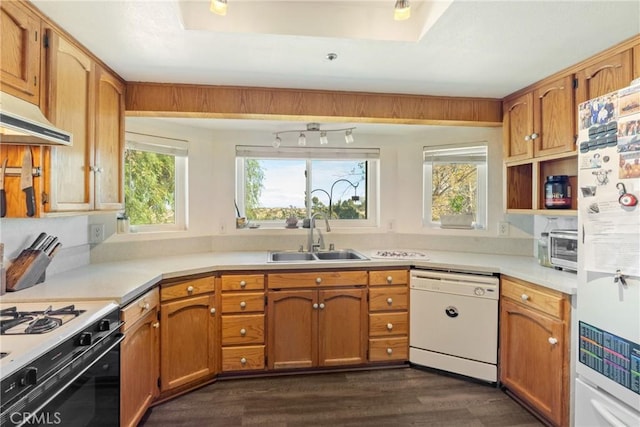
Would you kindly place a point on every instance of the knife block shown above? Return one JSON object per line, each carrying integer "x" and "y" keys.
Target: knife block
{"x": 27, "y": 269}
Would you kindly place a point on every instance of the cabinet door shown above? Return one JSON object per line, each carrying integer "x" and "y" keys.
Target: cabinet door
{"x": 612, "y": 73}
{"x": 554, "y": 117}
{"x": 70, "y": 106}
{"x": 636, "y": 62}
{"x": 342, "y": 327}
{"x": 533, "y": 356}
{"x": 20, "y": 51}
{"x": 293, "y": 329}
{"x": 140, "y": 368}
{"x": 109, "y": 142}
{"x": 517, "y": 127}
{"x": 188, "y": 347}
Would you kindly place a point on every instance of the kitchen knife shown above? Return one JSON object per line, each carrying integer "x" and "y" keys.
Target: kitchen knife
{"x": 26, "y": 182}
{"x": 50, "y": 245}
{"x": 36, "y": 243}
{"x": 54, "y": 250}
{"x": 3, "y": 195}
{"x": 45, "y": 243}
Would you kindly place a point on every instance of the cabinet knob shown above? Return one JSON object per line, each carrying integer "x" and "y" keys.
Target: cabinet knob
{"x": 389, "y": 279}
{"x": 318, "y": 280}
{"x": 213, "y": 311}
{"x": 243, "y": 283}
{"x": 315, "y": 305}
{"x": 534, "y": 136}
{"x": 156, "y": 325}
{"x": 553, "y": 341}
{"x": 243, "y": 304}
{"x": 527, "y": 138}
{"x": 389, "y": 300}
{"x": 144, "y": 305}
{"x": 243, "y": 332}
{"x": 524, "y": 297}
{"x": 321, "y": 305}
{"x": 390, "y": 326}
{"x": 243, "y": 360}
{"x": 389, "y": 351}
{"x": 190, "y": 289}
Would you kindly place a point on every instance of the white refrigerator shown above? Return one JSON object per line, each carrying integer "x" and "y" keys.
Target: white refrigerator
{"x": 607, "y": 387}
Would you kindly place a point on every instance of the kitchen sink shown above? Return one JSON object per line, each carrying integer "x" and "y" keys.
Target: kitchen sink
{"x": 338, "y": 255}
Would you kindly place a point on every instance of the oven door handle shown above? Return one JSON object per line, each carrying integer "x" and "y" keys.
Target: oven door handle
{"x": 66, "y": 385}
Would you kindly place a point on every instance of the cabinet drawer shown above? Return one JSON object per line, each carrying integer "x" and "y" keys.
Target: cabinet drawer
{"x": 243, "y": 282}
{"x": 316, "y": 279}
{"x": 530, "y": 295}
{"x": 383, "y": 324}
{"x": 243, "y": 358}
{"x": 388, "y": 277}
{"x": 243, "y": 302}
{"x": 244, "y": 329}
{"x": 187, "y": 288}
{"x": 388, "y": 349}
{"x": 139, "y": 308}
{"x": 388, "y": 298}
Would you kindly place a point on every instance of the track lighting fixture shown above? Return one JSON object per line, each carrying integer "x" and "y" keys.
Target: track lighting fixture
{"x": 219, "y": 7}
{"x": 402, "y": 10}
{"x": 311, "y": 128}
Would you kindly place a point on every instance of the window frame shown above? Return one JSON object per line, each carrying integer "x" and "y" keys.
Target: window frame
{"x": 179, "y": 150}
{"x": 481, "y": 217}
{"x": 309, "y": 154}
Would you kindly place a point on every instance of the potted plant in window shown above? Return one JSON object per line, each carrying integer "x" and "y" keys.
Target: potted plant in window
{"x": 459, "y": 215}
{"x": 292, "y": 218}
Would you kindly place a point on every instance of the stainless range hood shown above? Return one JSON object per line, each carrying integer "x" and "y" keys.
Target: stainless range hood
{"x": 23, "y": 123}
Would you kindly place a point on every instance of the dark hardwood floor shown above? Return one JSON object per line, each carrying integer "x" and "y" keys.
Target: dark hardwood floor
{"x": 389, "y": 397}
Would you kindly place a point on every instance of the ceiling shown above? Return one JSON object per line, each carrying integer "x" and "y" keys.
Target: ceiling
{"x": 451, "y": 48}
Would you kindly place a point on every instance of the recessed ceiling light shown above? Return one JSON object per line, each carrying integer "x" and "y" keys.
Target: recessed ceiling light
{"x": 332, "y": 56}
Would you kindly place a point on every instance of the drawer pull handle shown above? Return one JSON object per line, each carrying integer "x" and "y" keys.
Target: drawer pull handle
{"x": 213, "y": 311}
{"x": 243, "y": 332}
{"x": 318, "y": 280}
{"x": 389, "y": 351}
{"x": 243, "y": 283}
{"x": 389, "y": 279}
{"x": 553, "y": 341}
{"x": 190, "y": 289}
{"x": 389, "y": 300}
{"x": 243, "y": 361}
{"x": 525, "y": 297}
{"x": 156, "y": 325}
{"x": 243, "y": 304}
{"x": 390, "y": 326}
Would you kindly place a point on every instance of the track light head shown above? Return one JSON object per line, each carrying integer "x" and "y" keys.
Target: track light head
{"x": 348, "y": 136}
{"x": 302, "y": 140}
{"x": 219, "y": 7}
{"x": 402, "y": 10}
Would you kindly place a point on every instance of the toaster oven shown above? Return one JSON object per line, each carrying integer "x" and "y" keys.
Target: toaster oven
{"x": 563, "y": 249}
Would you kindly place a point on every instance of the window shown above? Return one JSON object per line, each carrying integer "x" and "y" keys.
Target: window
{"x": 275, "y": 184}
{"x": 155, "y": 187}
{"x": 455, "y": 182}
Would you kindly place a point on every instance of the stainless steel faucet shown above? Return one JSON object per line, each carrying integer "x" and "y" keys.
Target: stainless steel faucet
{"x": 311, "y": 245}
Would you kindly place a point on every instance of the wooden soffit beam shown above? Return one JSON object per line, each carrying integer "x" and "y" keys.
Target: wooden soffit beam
{"x": 180, "y": 100}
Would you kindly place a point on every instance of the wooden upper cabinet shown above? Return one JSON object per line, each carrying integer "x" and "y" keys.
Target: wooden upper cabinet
{"x": 554, "y": 117}
{"x": 518, "y": 127}
{"x": 70, "y": 105}
{"x": 611, "y": 73}
{"x": 636, "y": 61}
{"x": 20, "y": 42}
{"x": 109, "y": 141}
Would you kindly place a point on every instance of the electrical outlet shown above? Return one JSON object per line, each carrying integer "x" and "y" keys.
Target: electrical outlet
{"x": 503, "y": 228}
{"x": 96, "y": 233}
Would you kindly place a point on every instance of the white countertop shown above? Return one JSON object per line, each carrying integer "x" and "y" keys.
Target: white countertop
{"x": 123, "y": 281}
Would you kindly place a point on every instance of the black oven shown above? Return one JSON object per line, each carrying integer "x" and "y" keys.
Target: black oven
{"x": 76, "y": 384}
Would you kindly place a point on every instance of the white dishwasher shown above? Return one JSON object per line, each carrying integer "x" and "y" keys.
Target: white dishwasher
{"x": 454, "y": 322}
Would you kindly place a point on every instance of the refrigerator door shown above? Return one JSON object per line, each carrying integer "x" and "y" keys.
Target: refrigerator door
{"x": 596, "y": 409}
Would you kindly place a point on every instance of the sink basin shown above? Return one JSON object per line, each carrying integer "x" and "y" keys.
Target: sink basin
{"x": 290, "y": 256}
{"x": 346, "y": 254}
{"x": 340, "y": 255}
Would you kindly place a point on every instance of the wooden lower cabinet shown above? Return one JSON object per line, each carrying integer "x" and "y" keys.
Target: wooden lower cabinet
{"x": 534, "y": 349}
{"x": 188, "y": 345}
{"x": 310, "y": 328}
{"x": 139, "y": 359}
